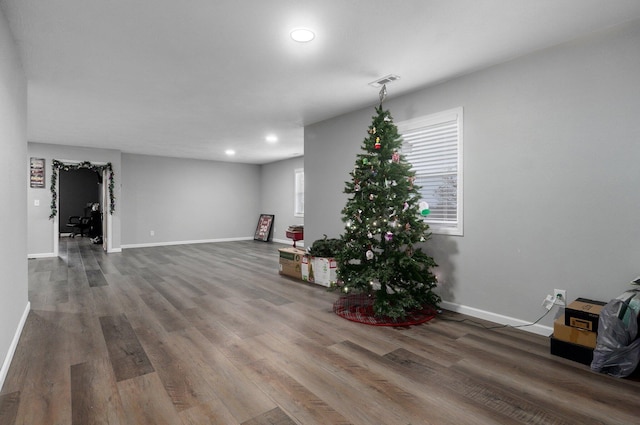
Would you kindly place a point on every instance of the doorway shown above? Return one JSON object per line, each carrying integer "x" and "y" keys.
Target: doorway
{"x": 82, "y": 189}
{"x": 80, "y": 199}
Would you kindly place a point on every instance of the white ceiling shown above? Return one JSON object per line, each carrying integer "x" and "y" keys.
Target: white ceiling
{"x": 193, "y": 78}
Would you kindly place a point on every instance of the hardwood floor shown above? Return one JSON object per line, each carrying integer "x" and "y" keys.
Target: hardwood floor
{"x": 211, "y": 334}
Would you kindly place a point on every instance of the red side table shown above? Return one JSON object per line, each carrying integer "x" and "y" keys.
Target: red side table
{"x": 296, "y": 236}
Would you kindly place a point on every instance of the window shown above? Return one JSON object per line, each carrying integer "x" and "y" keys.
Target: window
{"x": 433, "y": 145}
{"x": 298, "y": 209}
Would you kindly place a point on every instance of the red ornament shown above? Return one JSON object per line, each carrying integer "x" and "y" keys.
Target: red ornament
{"x": 377, "y": 145}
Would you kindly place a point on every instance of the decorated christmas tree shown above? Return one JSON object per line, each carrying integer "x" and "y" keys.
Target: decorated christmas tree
{"x": 381, "y": 260}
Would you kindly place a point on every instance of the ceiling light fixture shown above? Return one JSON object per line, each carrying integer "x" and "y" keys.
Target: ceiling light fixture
{"x": 271, "y": 138}
{"x": 230, "y": 152}
{"x": 302, "y": 35}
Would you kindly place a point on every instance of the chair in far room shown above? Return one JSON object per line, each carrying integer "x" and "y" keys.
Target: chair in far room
{"x": 78, "y": 224}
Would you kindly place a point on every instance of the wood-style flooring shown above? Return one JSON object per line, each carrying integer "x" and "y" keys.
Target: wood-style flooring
{"x": 212, "y": 334}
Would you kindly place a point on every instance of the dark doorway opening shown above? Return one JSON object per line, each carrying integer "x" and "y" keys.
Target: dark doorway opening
{"x": 79, "y": 207}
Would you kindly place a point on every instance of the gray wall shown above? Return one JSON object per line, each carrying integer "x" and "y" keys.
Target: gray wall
{"x": 40, "y": 227}
{"x": 187, "y": 200}
{"x": 181, "y": 200}
{"x": 551, "y": 149}
{"x": 277, "y": 192}
{"x": 13, "y": 208}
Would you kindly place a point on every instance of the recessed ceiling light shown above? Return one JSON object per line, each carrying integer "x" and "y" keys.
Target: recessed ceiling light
{"x": 302, "y": 35}
{"x": 271, "y": 138}
{"x": 230, "y": 152}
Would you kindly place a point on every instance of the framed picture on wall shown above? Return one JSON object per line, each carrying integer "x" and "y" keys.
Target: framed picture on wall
{"x": 36, "y": 176}
{"x": 264, "y": 229}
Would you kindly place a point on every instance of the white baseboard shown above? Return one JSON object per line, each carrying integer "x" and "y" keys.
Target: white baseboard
{"x": 290, "y": 242}
{"x": 146, "y": 245}
{"x": 14, "y": 345}
{"x": 497, "y": 318}
{"x": 42, "y": 255}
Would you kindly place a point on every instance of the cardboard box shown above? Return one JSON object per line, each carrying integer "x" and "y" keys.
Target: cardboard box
{"x": 573, "y": 335}
{"x": 290, "y": 262}
{"x": 325, "y": 270}
{"x": 575, "y": 352}
{"x": 308, "y": 273}
{"x": 319, "y": 270}
{"x": 583, "y": 314}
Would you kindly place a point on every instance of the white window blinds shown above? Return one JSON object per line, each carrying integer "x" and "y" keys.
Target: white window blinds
{"x": 433, "y": 145}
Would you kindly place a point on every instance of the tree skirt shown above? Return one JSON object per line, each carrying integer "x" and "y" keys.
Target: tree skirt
{"x": 359, "y": 308}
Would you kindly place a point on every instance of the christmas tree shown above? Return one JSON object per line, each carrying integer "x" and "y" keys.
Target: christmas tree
{"x": 380, "y": 253}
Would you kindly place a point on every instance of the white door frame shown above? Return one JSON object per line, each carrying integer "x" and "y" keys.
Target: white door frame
{"x": 106, "y": 216}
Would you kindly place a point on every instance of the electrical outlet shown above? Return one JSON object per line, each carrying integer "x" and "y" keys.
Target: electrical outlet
{"x": 560, "y": 297}
{"x": 548, "y": 302}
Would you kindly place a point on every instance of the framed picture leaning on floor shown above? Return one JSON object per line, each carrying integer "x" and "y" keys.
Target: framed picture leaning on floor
{"x": 264, "y": 229}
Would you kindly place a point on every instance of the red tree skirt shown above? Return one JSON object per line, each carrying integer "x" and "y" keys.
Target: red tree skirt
{"x": 359, "y": 308}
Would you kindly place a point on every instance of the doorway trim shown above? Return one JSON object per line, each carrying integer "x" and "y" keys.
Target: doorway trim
{"x": 106, "y": 171}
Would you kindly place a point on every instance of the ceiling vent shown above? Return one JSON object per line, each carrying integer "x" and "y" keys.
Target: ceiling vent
{"x": 384, "y": 80}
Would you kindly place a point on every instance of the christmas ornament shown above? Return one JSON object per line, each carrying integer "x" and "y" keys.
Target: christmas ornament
{"x": 383, "y": 93}
{"x": 395, "y": 157}
{"x": 388, "y": 236}
{"x": 377, "y": 145}
{"x": 372, "y": 131}
{"x": 424, "y": 209}
{"x": 365, "y": 161}
{"x": 405, "y": 206}
{"x": 409, "y": 251}
{"x": 370, "y": 235}
{"x": 369, "y": 255}
{"x": 407, "y": 227}
{"x": 372, "y": 197}
{"x": 356, "y": 187}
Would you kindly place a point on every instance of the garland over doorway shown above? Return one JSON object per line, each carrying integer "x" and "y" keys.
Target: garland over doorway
{"x": 58, "y": 165}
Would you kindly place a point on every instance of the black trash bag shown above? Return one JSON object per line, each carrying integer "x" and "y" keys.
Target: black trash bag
{"x": 617, "y": 351}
